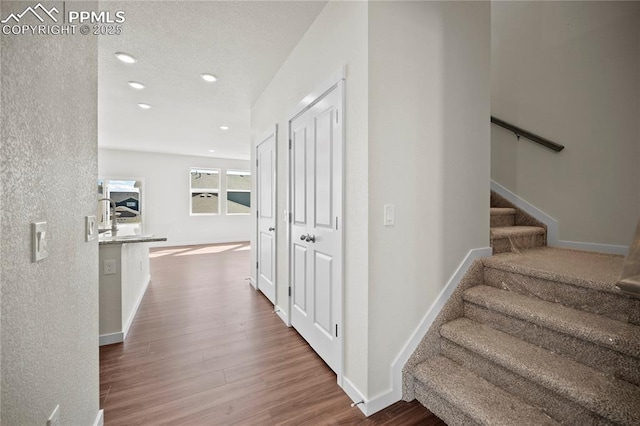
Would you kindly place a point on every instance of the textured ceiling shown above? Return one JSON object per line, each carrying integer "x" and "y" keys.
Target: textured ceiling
{"x": 242, "y": 42}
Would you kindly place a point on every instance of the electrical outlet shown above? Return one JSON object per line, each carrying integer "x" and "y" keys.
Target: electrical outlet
{"x": 110, "y": 267}
{"x": 38, "y": 241}
{"x": 54, "y": 418}
{"x": 91, "y": 229}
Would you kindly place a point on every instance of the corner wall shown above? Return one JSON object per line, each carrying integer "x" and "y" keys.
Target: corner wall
{"x": 570, "y": 71}
{"x": 166, "y": 195}
{"x": 428, "y": 155}
{"x": 49, "y": 168}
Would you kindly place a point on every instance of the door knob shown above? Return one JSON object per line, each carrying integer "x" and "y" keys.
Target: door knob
{"x": 311, "y": 238}
{"x": 303, "y": 237}
{"x": 271, "y": 228}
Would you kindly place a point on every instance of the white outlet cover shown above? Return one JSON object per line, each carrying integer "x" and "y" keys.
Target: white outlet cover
{"x": 39, "y": 241}
{"x": 110, "y": 267}
{"x": 91, "y": 228}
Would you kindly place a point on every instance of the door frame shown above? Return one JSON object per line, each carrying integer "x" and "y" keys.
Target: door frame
{"x": 337, "y": 81}
{"x": 266, "y": 135}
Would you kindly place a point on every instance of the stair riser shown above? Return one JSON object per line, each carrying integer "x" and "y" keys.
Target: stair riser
{"x": 515, "y": 244}
{"x": 502, "y": 220}
{"x": 441, "y": 407}
{"x": 557, "y": 406}
{"x": 619, "y": 365}
{"x": 611, "y": 305}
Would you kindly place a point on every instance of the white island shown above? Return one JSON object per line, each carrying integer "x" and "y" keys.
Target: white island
{"x": 124, "y": 277}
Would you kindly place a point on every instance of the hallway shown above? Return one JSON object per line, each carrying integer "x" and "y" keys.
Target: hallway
{"x": 206, "y": 349}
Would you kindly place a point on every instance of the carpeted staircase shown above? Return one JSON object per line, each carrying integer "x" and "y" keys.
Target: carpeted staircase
{"x": 512, "y": 229}
{"x": 533, "y": 335}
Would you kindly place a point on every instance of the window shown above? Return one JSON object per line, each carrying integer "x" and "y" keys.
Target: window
{"x": 238, "y": 192}
{"x": 205, "y": 191}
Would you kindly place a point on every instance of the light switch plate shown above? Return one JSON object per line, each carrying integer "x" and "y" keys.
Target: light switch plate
{"x": 91, "y": 229}
{"x": 389, "y": 215}
{"x": 38, "y": 241}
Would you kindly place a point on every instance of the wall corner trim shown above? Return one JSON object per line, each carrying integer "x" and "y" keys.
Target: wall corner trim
{"x": 394, "y": 394}
{"x": 552, "y": 224}
{"x": 134, "y": 311}
{"x": 99, "y": 419}
{"x": 111, "y": 338}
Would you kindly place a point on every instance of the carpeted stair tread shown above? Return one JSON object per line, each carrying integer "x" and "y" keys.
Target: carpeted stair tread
{"x": 616, "y": 335}
{"x": 611, "y": 398}
{"x": 501, "y": 211}
{"x": 477, "y": 398}
{"x": 515, "y": 231}
{"x": 502, "y": 216}
{"x": 597, "y": 271}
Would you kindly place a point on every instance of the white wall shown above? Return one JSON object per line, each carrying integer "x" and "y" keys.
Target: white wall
{"x": 49, "y": 169}
{"x": 417, "y": 137}
{"x": 337, "y": 38}
{"x": 166, "y": 195}
{"x": 428, "y": 155}
{"x": 569, "y": 71}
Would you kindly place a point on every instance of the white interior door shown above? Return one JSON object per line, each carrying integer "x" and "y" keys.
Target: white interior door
{"x": 266, "y": 215}
{"x": 316, "y": 236}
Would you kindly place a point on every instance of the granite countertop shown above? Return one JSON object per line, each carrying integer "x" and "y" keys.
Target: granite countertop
{"x": 128, "y": 235}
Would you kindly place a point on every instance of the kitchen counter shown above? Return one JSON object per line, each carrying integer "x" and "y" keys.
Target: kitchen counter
{"x": 128, "y": 234}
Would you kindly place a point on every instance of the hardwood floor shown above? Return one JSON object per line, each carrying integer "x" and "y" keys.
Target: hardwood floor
{"x": 206, "y": 349}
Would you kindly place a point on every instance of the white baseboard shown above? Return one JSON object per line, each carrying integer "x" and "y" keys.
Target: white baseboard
{"x": 111, "y": 338}
{"x": 393, "y": 395}
{"x": 282, "y": 315}
{"x": 552, "y": 224}
{"x": 134, "y": 311}
{"x": 599, "y": 248}
{"x": 99, "y": 419}
{"x": 253, "y": 283}
{"x": 354, "y": 393}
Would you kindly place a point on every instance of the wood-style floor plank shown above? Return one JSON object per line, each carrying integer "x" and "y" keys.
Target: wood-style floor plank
{"x": 206, "y": 349}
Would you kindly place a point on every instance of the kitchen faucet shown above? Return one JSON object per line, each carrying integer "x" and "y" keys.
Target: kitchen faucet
{"x": 114, "y": 219}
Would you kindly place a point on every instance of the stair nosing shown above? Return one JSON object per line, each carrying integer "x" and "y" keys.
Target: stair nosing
{"x": 597, "y": 285}
{"x": 502, "y": 211}
{"x": 587, "y": 326}
{"x": 498, "y": 232}
{"x": 557, "y": 373}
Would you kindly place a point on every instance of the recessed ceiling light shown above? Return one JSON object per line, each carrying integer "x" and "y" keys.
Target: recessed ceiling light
{"x": 212, "y": 150}
{"x": 224, "y": 127}
{"x": 208, "y": 77}
{"x": 125, "y": 57}
{"x": 144, "y": 106}
{"x": 136, "y": 85}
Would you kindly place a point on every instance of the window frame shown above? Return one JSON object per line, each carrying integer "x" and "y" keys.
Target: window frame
{"x": 227, "y": 190}
{"x": 194, "y": 190}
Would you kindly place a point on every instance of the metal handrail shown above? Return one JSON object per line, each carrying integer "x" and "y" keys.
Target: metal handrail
{"x": 531, "y": 136}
